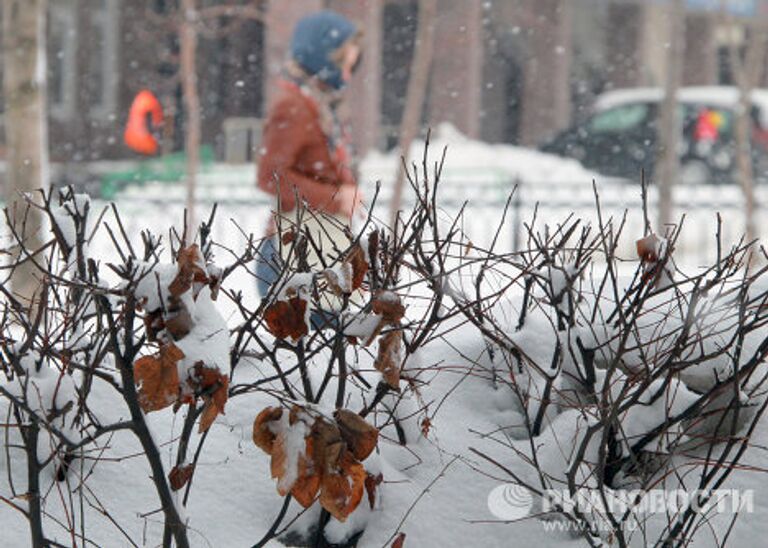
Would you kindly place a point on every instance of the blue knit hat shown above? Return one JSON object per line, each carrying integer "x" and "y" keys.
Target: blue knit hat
{"x": 315, "y": 38}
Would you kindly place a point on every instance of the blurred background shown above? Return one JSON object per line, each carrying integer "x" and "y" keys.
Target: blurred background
{"x": 571, "y": 90}
{"x": 509, "y": 71}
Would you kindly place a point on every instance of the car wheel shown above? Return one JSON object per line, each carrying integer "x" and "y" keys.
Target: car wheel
{"x": 695, "y": 172}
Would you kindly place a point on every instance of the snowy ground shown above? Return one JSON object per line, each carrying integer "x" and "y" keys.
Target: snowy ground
{"x": 432, "y": 489}
{"x": 234, "y": 499}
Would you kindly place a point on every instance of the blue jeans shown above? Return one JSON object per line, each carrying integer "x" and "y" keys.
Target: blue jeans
{"x": 268, "y": 267}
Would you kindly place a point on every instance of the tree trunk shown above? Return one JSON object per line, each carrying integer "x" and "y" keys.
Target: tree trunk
{"x": 669, "y": 127}
{"x": 30, "y": 434}
{"x": 747, "y": 74}
{"x": 26, "y": 129}
{"x": 744, "y": 172}
{"x": 188, "y": 47}
{"x": 415, "y": 94}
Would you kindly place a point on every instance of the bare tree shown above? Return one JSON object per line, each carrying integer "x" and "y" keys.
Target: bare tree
{"x": 188, "y": 55}
{"x": 669, "y": 129}
{"x": 415, "y": 94}
{"x": 26, "y": 127}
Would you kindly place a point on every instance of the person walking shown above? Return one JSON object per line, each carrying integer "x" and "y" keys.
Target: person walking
{"x": 304, "y": 150}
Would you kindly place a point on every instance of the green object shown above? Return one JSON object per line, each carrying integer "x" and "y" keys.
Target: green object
{"x": 170, "y": 168}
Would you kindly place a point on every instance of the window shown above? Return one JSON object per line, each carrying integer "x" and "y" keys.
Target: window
{"x": 619, "y": 119}
{"x": 62, "y": 65}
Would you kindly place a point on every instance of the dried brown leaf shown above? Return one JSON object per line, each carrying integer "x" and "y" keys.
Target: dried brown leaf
{"x": 157, "y": 378}
{"x": 371, "y": 485}
{"x": 356, "y": 259}
{"x": 307, "y": 483}
{"x": 287, "y": 318}
{"x": 277, "y": 463}
{"x": 212, "y": 385}
{"x": 328, "y": 445}
{"x": 262, "y": 435}
{"x": 387, "y": 305}
{"x": 191, "y": 269}
{"x": 647, "y": 248}
{"x": 208, "y": 416}
{"x": 343, "y": 489}
{"x": 426, "y": 425}
{"x": 360, "y": 436}
{"x": 288, "y": 236}
{"x": 373, "y": 244}
{"x": 180, "y": 475}
{"x": 389, "y": 358}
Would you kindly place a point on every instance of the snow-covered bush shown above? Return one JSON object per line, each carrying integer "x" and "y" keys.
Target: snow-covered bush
{"x": 622, "y": 373}
{"x": 144, "y": 333}
{"x": 614, "y": 374}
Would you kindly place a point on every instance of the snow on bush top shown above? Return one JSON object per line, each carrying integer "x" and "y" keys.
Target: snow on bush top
{"x": 47, "y": 391}
{"x": 193, "y": 357}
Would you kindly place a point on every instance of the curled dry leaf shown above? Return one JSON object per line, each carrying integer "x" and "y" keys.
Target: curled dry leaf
{"x": 426, "y": 425}
{"x": 387, "y": 305}
{"x": 157, "y": 378}
{"x": 191, "y": 269}
{"x": 180, "y": 475}
{"x": 287, "y": 318}
{"x": 356, "y": 259}
{"x": 209, "y": 381}
{"x": 214, "y": 280}
{"x": 263, "y": 437}
{"x": 288, "y": 236}
{"x": 648, "y": 248}
{"x": 175, "y": 318}
{"x": 342, "y": 490}
{"x": 371, "y": 485}
{"x": 307, "y": 483}
{"x": 328, "y": 463}
{"x": 389, "y": 358}
{"x": 328, "y": 445}
{"x": 349, "y": 275}
{"x": 213, "y": 386}
{"x": 355, "y": 473}
{"x": 360, "y": 437}
{"x": 278, "y": 466}
{"x": 399, "y": 542}
{"x": 208, "y": 416}
{"x": 292, "y": 467}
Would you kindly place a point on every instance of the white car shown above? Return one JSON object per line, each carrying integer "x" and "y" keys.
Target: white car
{"x": 620, "y": 138}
